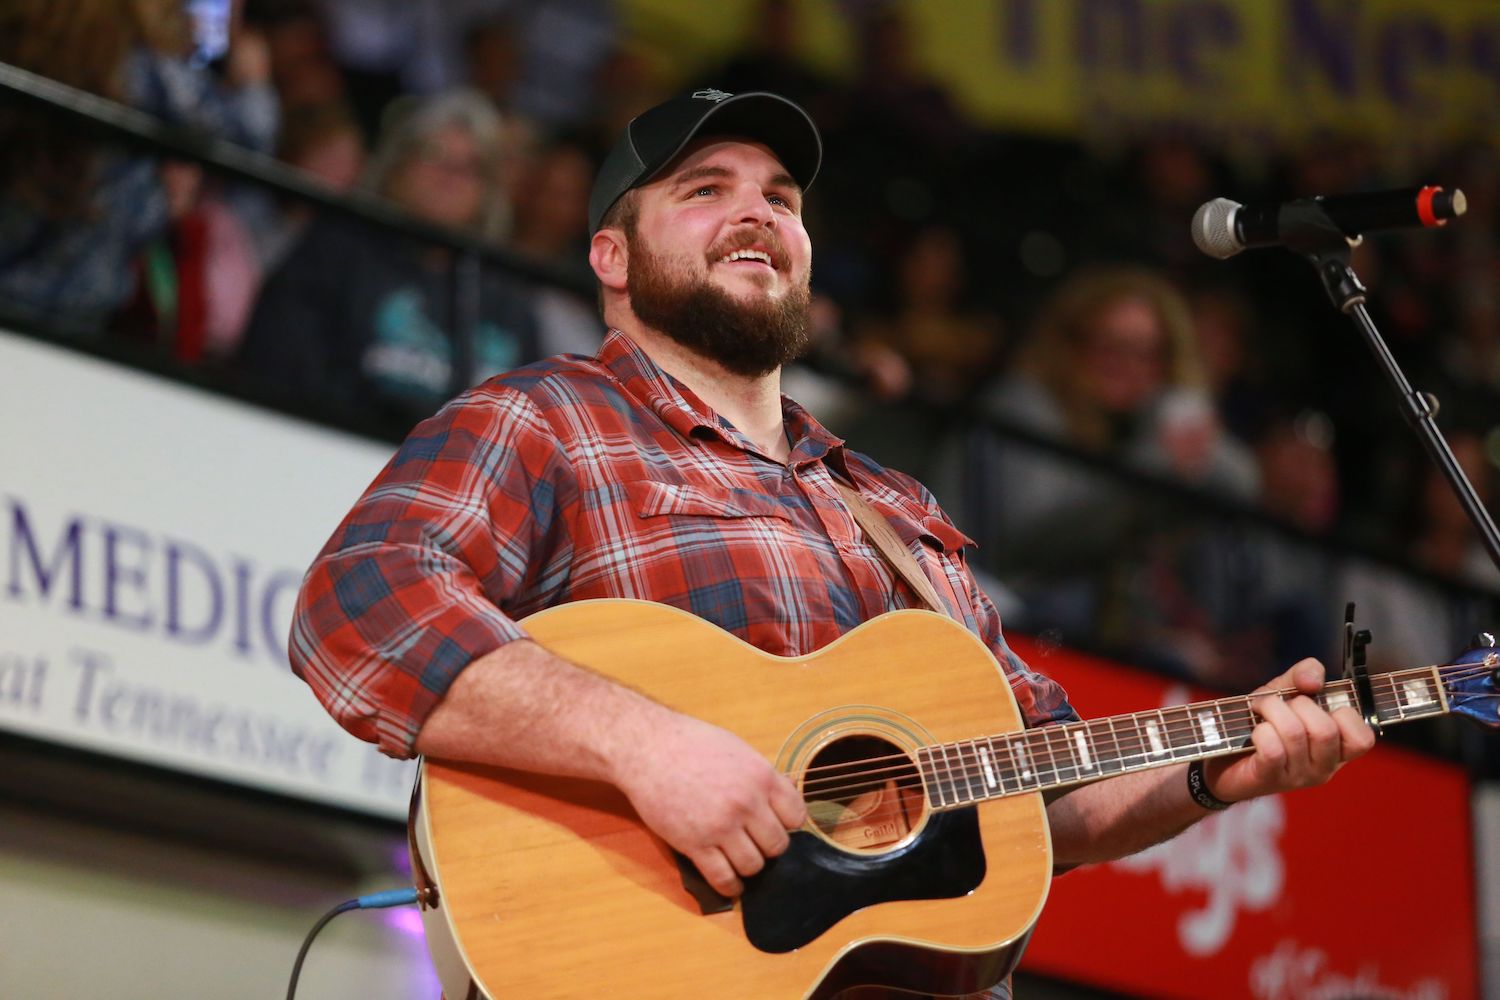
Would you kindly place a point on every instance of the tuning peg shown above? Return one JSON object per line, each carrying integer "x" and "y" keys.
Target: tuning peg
{"x": 1485, "y": 639}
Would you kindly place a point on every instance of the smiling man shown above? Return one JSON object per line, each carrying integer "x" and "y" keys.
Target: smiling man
{"x": 670, "y": 468}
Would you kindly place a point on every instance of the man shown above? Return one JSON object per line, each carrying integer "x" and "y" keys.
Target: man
{"x": 670, "y": 468}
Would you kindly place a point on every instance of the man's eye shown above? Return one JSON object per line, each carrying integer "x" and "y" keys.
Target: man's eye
{"x": 706, "y": 189}
{"x": 777, "y": 199}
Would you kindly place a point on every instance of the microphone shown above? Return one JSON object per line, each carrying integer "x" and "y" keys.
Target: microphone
{"x": 1222, "y": 228}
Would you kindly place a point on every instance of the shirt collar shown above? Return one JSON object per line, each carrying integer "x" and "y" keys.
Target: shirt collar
{"x": 681, "y": 409}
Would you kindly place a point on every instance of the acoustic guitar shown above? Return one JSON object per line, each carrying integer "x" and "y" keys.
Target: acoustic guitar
{"x": 925, "y": 860}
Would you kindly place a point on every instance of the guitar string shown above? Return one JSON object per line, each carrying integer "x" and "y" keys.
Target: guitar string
{"x": 967, "y": 769}
{"x": 1006, "y": 778}
{"x": 1384, "y": 700}
{"x": 1038, "y": 743}
{"x": 1042, "y": 755}
{"x": 1008, "y": 781}
{"x": 1046, "y": 756}
{"x": 970, "y": 773}
{"x": 961, "y": 780}
{"x": 1074, "y": 727}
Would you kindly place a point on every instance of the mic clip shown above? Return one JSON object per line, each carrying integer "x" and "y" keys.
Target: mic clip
{"x": 1308, "y": 229}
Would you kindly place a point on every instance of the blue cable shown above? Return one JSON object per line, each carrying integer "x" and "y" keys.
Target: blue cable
{"x": 391, "y": 897}
{"x": 372, "y": 901}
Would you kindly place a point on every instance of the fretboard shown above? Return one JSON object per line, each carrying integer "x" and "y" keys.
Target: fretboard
{"x": 970, "y": 771}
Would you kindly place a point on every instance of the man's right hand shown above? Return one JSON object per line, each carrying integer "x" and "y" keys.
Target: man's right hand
{"x": 702, "y": 789}
{"x": 711, "y": 796}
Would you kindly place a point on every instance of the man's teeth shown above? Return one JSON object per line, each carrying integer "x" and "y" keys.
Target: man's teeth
{"x": 759, "y": 255}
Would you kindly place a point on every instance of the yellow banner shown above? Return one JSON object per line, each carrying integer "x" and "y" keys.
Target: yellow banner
{"x": 1411, "y": 72}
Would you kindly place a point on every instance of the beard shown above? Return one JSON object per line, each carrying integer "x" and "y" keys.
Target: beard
{"x": 750, "y": 338}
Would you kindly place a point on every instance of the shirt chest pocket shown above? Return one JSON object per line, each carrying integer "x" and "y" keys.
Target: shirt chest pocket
{"x": 649, "y": 499}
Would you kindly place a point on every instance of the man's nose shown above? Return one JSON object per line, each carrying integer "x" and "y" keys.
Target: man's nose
{"x": 751, "y": 205}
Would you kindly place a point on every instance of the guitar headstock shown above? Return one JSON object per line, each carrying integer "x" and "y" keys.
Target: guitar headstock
{"x": 1472, "y": 683}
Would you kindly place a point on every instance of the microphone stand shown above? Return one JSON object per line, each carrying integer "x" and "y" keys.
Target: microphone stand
{"x": 1307, "y": 229}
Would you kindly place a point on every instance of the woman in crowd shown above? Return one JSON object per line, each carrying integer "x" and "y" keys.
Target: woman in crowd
{"x": 362, "y": 322}
{"x": 1111, "y": 368}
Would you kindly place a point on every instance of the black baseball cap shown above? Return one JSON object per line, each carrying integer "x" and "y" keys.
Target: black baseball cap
{"x": 655, "y": 137}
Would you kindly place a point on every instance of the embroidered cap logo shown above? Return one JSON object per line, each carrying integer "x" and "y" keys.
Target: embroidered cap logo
{"x": 711, "y": 95}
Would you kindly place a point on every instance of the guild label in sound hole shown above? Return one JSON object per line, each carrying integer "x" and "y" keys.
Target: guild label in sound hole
{"x": 863, "y": 793}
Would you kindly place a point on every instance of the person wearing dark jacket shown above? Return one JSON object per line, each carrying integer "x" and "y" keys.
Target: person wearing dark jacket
{"x": 356, "y": 320}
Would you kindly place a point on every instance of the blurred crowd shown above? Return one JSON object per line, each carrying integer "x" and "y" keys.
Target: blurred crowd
{"x": 1014, "y": 280}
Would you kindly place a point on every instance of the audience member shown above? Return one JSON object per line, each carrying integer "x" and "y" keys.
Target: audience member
{"x": 949, "y": 346}
{"x": 303, "y": 69}
{"x": 198, "y": 279}
{"x": 362, "y": 321}
{"x": 1217, "y": 599}
{"x": 74, "y": 215}
{"x": 1422, "y": 622}
{"x": 1224, "y": 325}
{"x": 769, "y": 61}
{"x": 1111, "y": 368}
{"x": 552, "y": 211}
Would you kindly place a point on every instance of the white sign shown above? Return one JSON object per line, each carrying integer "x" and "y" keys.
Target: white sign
{"x": 152, "y": 540}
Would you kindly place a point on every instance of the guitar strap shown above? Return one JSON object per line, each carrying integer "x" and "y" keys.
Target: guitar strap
{"x": 880, "y": 533}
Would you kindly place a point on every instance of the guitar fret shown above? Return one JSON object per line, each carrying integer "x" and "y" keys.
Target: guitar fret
{"x": 1168, "y": 734}
{"x": 1184, "y": 736}
{"x": 952, "y": 791}
{"x": 1159, "y": 746}
{"x": 1418, "y": 695}
{"x": 992, "y": 782}
{"x": 1083, "y": 745}
{"x": 1070, "y": 757}
{"x": 1240, "y": 723}
{"x": 1224, "y": 729}
{"x": 1018, "y": 754}
{"x": 1117, "y": 758}
{"x": 1336, "y": 696}
{"x": 1050, "y": 735}
{"x": 1034, "y": 759}
{"x": 1135, "y": 743}
{"x": 1000, "y": 761}
{"x": 964, "y": 761}
{"x": 1209, "y": 735}
{"x": 943, "y": 778}
{"x": 953, "y": 760}
{"x": 1396, "y": 699}
{"x": 966, "y": 771}
{"x": 929, "y": 777}
{"x": 1044, "y": 735}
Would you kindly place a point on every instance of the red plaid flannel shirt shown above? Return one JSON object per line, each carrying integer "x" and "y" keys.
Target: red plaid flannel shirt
{"x": 579, "y": 478}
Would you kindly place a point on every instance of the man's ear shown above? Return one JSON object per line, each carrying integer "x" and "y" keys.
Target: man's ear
{"x": 610, "y": 258}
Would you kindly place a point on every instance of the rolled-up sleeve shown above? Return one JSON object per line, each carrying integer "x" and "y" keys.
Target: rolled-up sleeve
{"x": 462, "y": 528}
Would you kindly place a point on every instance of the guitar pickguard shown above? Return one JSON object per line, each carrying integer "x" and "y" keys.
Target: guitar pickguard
{"x": 814, "y": 885}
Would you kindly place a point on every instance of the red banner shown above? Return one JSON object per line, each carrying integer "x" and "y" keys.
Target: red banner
{"x": 1361, "y": 889}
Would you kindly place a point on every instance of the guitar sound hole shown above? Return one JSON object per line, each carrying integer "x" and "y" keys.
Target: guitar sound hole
{"x": 863, "y": 793}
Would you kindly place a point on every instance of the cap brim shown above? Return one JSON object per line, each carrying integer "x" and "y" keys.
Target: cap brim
{"x": 761, "y": 117}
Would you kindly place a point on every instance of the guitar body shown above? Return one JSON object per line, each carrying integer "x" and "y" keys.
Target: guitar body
{"x": 552, "y": 888}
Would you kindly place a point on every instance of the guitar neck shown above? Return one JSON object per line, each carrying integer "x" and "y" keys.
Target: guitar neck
{"x": 970, "y": 771}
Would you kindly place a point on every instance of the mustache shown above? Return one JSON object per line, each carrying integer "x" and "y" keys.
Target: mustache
{"x": 767, "y": 241}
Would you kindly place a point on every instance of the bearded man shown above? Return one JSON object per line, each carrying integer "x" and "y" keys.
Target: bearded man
{"x": 669, "y": 468}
